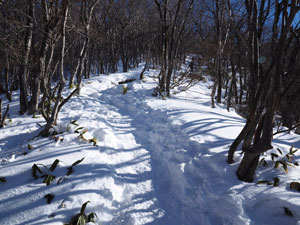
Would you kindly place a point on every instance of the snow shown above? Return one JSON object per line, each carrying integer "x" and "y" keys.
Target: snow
{"x": 156, "y": 161}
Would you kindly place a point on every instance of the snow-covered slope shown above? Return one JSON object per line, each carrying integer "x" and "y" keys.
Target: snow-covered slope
{"x": 156, "y": 162}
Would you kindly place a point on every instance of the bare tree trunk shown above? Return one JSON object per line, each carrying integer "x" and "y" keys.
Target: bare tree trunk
{"x": 124, "y": 57}
{"x": 86, "y": 17}
{"x": 255, "y": 102}
{"x": 24, "y": 65}
{"x": 7, "y": 89}
{"x": 52, "y": 120}
{"x": 219, "y": 74}
{"x": 262, "y": 144}
{"x": 165, "y": 44}
{"x": 171, "y": 34}
{"x": 71, "y": 81}
{"x": 219, "y": 23}
{"x": 3, "y": 117}
{"x": 297, "y": 131}
{"x": 213, "y": 93}
{"x": 38, "y": 74}
{"x": 232, "y": 84}
{"x": 250, "y": 160}
{"x": 250, "y": 123}
{"x": 241, "y": 84}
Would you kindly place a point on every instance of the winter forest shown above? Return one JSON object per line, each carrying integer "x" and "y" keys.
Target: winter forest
{"x": 158, "y": 112}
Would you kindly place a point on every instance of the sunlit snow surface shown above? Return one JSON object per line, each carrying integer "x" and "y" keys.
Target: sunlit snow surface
{"x": 156, "y": 162}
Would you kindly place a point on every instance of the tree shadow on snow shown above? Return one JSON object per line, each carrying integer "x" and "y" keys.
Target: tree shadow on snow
{"x": 181, "y": 176}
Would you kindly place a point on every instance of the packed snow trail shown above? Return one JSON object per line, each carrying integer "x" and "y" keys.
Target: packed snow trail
{"x": 156, "y": 162}
{"x": 182, "y": 178}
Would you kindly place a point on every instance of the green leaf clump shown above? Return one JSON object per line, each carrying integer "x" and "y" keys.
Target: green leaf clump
{"x": 287, "y": 160}
{"x": 48, "y": 178}
{"x": 81, "y": 218}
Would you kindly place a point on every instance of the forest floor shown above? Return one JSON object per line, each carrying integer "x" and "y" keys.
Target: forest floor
{"x": 156, "y": 161}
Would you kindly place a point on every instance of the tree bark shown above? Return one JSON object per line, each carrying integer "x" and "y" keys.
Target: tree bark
{"x": 3, "y": 117}
{"x": 7, "y": 89}
{"x": 39, "y": 72}
{"x": 53, "y": 119}
{"x": 86, "y": 17}
{"x": 25, "y": 64}
{"x": 262, "y": 144}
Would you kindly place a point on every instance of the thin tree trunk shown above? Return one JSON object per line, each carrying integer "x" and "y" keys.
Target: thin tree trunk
{"x": 250, "y": 122}
{"x": 86, "y": 21}
{"x": 52, "y": 120}
{"x": 7, "y": 89}
{"x": 241, "y": 84}
{"x": 250, "y": 160}
{"x": 297, "y": 131}
{"x": 24, "y": 65}
{"x": 3, "y": 117}
{"x": 39, "y": 72}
